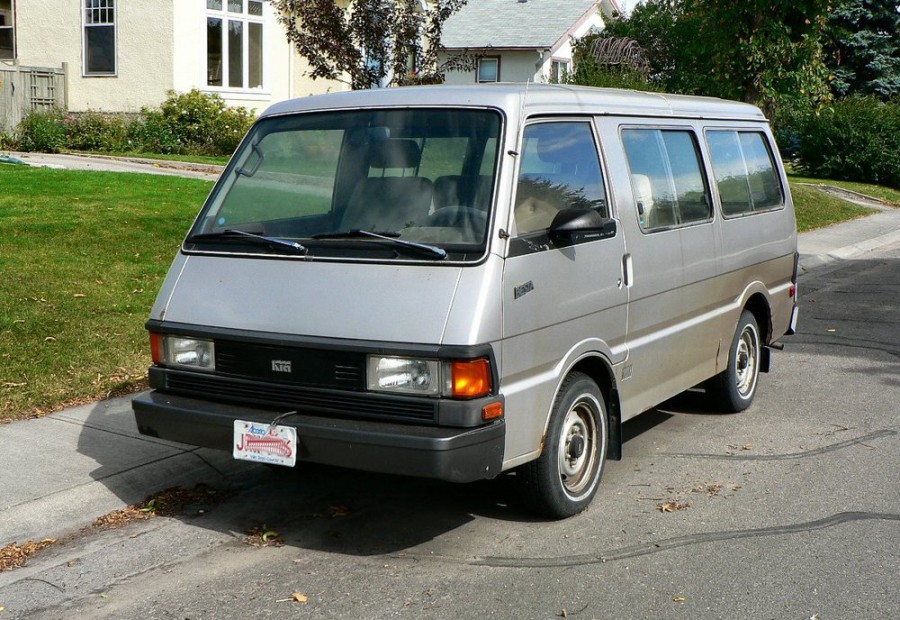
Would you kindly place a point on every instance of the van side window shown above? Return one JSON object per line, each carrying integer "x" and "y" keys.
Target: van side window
{"x": 666, "y": 177}
{"x": 560, "y": 170}
{"x": 744, "y": 170}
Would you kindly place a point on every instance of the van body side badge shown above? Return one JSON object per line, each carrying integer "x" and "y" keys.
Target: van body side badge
{"x": 523, "y": 289}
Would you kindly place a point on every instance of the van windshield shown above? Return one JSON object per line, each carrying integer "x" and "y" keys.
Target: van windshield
{"x": 381, "y": 184}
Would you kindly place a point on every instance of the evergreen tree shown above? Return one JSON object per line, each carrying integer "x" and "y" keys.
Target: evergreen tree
{"x": 863, "y": 48}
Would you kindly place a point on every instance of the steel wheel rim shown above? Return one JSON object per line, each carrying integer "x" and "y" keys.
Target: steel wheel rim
{"x": 746, "y": 361}
{"x": 576, "y": 471}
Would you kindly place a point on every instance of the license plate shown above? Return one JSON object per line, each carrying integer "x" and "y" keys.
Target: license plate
{"x": 264, "y": 443}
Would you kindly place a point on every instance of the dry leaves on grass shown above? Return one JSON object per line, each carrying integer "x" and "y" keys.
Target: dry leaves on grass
{"x": 13, "y": 555}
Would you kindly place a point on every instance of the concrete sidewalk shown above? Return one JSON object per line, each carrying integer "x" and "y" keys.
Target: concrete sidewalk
{"x": 62, "y": 471}
{"x": 71, "y": 161}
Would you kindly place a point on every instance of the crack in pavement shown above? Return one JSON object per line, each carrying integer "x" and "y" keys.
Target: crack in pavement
{"x": 789, "y": 456}
{"x": 666, "y": 544}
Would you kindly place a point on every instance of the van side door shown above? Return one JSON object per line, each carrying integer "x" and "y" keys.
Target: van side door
{"x": 560, "y": 300}
{"x": 674, "y": 321}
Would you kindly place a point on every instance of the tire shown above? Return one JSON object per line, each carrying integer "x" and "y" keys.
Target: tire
{"x": 733, "y": 389}
{"x": 564, "y": 479}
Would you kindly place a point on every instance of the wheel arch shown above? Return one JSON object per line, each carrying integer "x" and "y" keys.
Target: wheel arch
{"x": 759, "y": 306}
{"x": 598, "y": 368}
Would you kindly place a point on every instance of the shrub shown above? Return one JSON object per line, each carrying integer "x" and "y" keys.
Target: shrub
{"x": 43, "y": 130}
{"x": 7, "y": 141}
{"x": 153, "y": 134}
{"x": 195, "y": 123}
{"x": 856, "y": 139}
{"x": 97, "y": 131}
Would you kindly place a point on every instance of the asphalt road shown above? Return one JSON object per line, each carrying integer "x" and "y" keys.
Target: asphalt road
{"x": 788, "y": 510}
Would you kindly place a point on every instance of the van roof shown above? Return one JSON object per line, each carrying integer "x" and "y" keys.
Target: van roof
{"x": 538, "y": 99}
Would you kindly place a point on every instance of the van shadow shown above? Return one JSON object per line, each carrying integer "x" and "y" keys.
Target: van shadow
{"x": 311, "y": 506}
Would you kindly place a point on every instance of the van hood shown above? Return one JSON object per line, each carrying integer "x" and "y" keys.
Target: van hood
{"x": 380, "y": 302}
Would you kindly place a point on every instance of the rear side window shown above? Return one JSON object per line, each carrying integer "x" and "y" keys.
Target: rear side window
{"x": 666, "y": 177}
{"x": 745, "y": 172}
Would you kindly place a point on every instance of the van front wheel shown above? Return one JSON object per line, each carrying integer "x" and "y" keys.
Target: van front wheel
{"x": 564, "y": 479}
{"x": 733, "y": 389}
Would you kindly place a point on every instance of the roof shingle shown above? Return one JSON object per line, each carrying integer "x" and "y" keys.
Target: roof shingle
{"x": 512, "y": 23}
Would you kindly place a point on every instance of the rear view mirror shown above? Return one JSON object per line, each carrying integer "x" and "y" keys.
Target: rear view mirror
{"x": 579, "y": 225}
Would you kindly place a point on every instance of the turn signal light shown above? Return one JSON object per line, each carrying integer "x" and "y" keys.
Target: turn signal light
{"x": 156, "y": 351}
{"x": 471, "y": 379}
{"x": 492, "y": 411}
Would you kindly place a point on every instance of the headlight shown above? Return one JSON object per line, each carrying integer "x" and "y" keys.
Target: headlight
{"x": 194, "y": 353}
{"x": 427, "y": 377}
{"x": 404, "y": 375}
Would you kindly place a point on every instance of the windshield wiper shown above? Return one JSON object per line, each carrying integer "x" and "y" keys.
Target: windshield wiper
{"x": 390, "y": 237}
{"x": 232, "y": 233}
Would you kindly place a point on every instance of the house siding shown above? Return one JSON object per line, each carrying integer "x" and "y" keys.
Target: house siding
{"x": 160, "y": 46}
{"x": 50, "y": 32}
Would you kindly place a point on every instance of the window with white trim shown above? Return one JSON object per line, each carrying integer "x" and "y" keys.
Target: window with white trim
{"x": 99, "y": 37}
{"x": 234, "y": 43}
{"x": 559, "y": 71}
{"x": 7, "y": 30}
{"x": 488, "y": 69}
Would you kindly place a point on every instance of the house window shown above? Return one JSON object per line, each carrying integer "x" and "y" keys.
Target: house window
{"x": 7, "y": 30}
{"x": 99, "y": 37}
{"x": 234, "y": 43}
{"x": 559, "y": 71}
{"x": 488, "y": 69}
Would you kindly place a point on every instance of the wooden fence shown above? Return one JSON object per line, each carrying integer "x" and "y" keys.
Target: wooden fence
{"x": 23, "y": 89}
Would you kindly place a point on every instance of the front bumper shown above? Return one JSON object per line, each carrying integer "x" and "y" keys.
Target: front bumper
{"x": 454, "y": 454}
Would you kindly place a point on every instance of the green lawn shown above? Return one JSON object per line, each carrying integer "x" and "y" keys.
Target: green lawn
{"x": 815, "y": 208}
{"x": 887, "y": 194}
{"x": 82, "y": 255}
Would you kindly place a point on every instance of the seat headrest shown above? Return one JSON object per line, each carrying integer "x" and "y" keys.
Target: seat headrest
{"x": 395, "y": 154}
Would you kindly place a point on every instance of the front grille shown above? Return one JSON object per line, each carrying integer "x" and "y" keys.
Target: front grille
{"x": 329, "y": 402}
{"x": 295, "y": 365}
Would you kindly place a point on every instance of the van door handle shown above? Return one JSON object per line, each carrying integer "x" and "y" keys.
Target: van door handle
{"x": 628, "y": 270}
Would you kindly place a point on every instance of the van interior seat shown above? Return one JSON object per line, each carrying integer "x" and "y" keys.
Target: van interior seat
{"x": 643, "y": 197}
{"x": 389, "y": 203}
{"x": 463, "y": 190}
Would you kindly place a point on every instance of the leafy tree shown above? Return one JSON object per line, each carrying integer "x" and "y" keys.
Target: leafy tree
{"x": 863, "y": 48}
{"x": 371, "y": 41}
{"x": 765, "y": 52}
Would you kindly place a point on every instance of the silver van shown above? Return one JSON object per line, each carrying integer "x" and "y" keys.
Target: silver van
{"x": 455, "y": 282}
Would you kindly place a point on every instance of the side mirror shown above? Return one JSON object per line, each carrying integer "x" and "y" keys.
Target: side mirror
{"x": 579, "y": 225}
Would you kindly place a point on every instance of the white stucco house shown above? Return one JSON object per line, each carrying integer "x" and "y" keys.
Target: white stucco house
{"x": 121, "y": 55}
{"x": 521, "y": 40}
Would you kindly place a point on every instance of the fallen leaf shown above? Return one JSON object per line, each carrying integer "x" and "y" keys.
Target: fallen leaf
{"x": 673, "y": 506}
{"x": 336, "y": 510}
{"x": 300, "y": 598}
{"x": 269, "y": 535}
{"x": 679, "y": 599}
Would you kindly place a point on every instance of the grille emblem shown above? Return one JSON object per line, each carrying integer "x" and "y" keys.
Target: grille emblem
{"x": 281, "y": 365}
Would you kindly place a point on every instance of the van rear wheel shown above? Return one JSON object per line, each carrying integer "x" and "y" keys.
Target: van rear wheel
{"x": 564, "y": 479}
{"x": 733, "y": 389}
